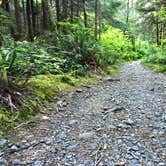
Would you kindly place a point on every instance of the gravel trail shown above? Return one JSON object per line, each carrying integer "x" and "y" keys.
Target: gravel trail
{"x": 118, "y": 122}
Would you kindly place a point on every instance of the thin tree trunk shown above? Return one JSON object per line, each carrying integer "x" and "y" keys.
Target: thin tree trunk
{"x": 65, "y": 10}
{"x": 78, "y": 8}
{"x": 157, "y": 32}
{"x": 45, "y": 18}
{"x": 71, "y": 11}
{"x": 58, "y": 16}
{"x": 18, "y": 19}
{"x": 33, "y": 17}
{"x": 24, "y": 15}
{"x": 6, "y": 6}
{"x": 1, "y": 38}
{"x": 29, "y": 23}
{"x": 85, "y": 14}
{"x": 96, "y": 19}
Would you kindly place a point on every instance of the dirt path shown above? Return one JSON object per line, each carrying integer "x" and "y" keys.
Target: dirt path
{"x": 117, "y": 122}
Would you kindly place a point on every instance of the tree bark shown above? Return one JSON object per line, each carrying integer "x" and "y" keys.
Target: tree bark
{"x": 96, "y": 19}
{"x": 18, "y": 19}
{"x": 58, "y": 16}
{"x": 85, "y": 14}
{"x": 65, "y": 10}
{"x": 29, "y": 22}
{"x": 71, "y": 11}
{"x": 33, "y": 17}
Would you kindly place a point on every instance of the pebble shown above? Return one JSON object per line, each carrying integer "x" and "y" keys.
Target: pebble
{"x": 92, "y": 146}
{"x": 16, "y": 162}
{"x": 3, "y": 142}
{"x": 72, "y": 147}
{"x": 79, "y": 90}
{"x": 3, "y": 162}
{"x": 112, "y": 127}
{"x": 120, "y": 163}
{"x": 129, "y": 122}
{"x": 134, "y": 148}
{"x": 117, "y": 109}
{"x": 111, "y": 79}
{"x": 123, "y": 126}
{"x": 134, "y": 162}
{"x": 162, "y": 164}
{"x": 14, "y": 148}
{"x": 61, "y": 136}
{"x": 87, "y": 135}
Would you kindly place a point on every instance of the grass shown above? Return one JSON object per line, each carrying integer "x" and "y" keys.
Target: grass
{"x": 156, "y": 67}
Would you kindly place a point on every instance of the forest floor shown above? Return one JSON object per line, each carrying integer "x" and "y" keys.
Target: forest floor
{"x": 120, "y": 121}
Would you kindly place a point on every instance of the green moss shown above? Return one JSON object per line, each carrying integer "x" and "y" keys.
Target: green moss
{"x": 49, "y": 86}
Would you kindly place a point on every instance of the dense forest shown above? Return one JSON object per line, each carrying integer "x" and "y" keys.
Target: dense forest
{"x": 49, "y": 46}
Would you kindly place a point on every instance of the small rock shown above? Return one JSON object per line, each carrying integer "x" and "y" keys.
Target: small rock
{"x": 134, "y": 148}
{"x": 86, "y": 135}
{"x": 164, "y": 118}
{"x": 72, "y": 122}
{"x": 72, "y": 147}
{"x": 29, "y": 162}
{"x": 152, "y": 89}
{"x": 162, "y": 164}
{"x": 117, "y": 109}
{"x": 106, "y": 108}
{"x": 134, "y": 162}
{"x": 99, "y": 129}
{"x": 111, "y": 79}
{"x": 16, "y": 162}
{"x": 54, "y": 150}
{"x": 122, "y": 126}
{"x": 86, "y": 86}
{"x": 61, "y": 136}
{"x": 3, "y": 142}
{"x": 79, "y": 90}
{"x": 53, "y": 121}
{"x": 3, "y": 162}
{"x": 45, "y": 118}
{"x": 120, "y": 163}
{"x": 129, "y": 122}
{"x": 93, "y": 146}
{"x": 14, "y": 148}
{"x": 112, "y": 127}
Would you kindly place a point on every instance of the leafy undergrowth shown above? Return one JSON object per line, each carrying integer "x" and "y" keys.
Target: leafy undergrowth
{"x": 155, "y": 59}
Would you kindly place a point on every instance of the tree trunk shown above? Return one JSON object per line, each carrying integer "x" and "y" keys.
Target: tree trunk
{"x": 65, "y": 10}
{"x": 6, "y": 6}
{"x": 58, "y": 16}
{"x": 45, "y": 16}
{"x": 157, "y": 32}
{"x": 71, "y": 11}
{"x": 96, "y": 19}
{"x": 24, "y": 16}
{"x": 85, "y": 14}
{"x": 78, "y": 8}
{"x": 18, "y": 19}
{"x": 29, "y": 23}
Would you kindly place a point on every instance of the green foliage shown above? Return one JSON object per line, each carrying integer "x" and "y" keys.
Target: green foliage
{"x": 162, "y": 14}
{"x": 156, "y": 59}
{"x": 114, "y": 45}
